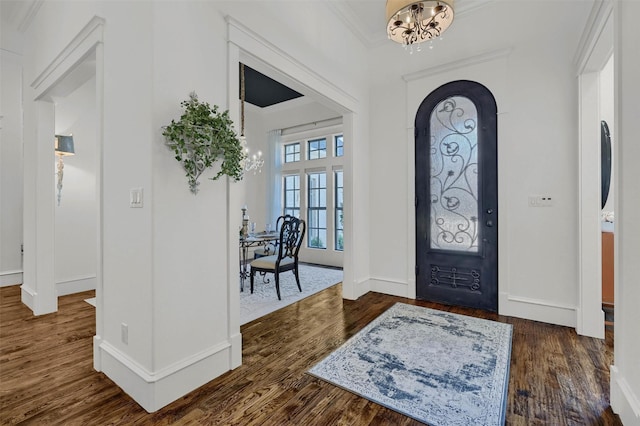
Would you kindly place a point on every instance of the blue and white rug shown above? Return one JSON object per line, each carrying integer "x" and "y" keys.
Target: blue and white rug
{"x": 436, "y": 367}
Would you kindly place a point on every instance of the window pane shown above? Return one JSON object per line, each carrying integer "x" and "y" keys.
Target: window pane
{"x": 339, "y": 146}
{"x": 339, "y": 217}
{"x": 317, "y": 148}
{"x": 339, "y": 240}
{"x": 292, "y": 195}
{"x": 292, "y": 152}
{"x": 317, "y": 210}
{"x": 454, "y": 175}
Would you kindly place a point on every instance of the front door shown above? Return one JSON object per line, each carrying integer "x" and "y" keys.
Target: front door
{"x": 457, "y": 197}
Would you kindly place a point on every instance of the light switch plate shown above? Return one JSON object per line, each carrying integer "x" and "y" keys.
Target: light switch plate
{"x": 135, "y": 198}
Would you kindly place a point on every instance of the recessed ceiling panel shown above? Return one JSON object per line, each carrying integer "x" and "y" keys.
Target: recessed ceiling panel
{"x": 263, "y": 91}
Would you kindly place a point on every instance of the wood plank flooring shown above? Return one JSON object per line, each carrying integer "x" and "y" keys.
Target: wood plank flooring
{"x": 47, "y": 378}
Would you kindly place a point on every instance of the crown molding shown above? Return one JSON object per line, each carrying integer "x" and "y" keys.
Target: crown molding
{"x": 450, "y": 66}
{"x": 601, "y": 12}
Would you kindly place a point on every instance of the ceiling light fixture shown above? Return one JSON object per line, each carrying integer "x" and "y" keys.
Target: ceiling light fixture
{"x": 414, "y": 22}
{"x": 255, "y": 162}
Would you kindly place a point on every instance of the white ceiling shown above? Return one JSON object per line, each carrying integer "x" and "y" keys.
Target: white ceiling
{"x": 17, "y": 14}
{"x": 366, "y": 18}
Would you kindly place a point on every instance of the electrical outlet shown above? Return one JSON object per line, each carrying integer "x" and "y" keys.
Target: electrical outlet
{"x": 124, "y": 333}
{"x": 540, "y": 201}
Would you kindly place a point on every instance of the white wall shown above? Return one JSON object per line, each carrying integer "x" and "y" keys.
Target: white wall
{"x": 75, "y": 218}
{"x": 625, "y": 373}
{"x": 10, "y": 166}
{"x": 168, "y": 283}
{"x": 258, "y": 185}
{"x": 535, "y": 90}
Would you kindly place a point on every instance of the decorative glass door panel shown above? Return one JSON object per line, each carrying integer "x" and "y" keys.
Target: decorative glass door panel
{"x": 454, "y": 175}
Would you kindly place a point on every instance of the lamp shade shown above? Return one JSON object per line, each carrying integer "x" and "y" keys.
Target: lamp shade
{"x": 64, "y": 145}
{"x": 410, "y": 22}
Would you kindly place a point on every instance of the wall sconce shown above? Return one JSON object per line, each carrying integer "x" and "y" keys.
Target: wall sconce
{"x": 63, "y": 147}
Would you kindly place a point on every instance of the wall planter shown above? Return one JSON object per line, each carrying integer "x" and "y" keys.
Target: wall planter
{"x": 200, "y": 138}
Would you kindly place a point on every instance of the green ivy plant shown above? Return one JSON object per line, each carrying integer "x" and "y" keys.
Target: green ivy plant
{"x": 202, "y": 136}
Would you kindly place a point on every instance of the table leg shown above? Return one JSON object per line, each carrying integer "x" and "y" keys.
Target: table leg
{"x": 244, "y": 273}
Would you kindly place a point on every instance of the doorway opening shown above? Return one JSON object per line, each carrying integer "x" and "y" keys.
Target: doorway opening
{"x": 457, "y": 196}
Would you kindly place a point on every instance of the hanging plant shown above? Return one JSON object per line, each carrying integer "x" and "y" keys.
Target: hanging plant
{"x": 202, "y": 136}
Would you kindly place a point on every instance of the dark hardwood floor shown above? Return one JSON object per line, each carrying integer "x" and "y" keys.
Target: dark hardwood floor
{"x": 46, "y": 374}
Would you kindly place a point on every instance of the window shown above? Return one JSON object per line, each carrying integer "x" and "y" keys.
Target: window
{"x": 339, "y": 218}
{"x": 292, "y": 195}
{"x": 310, "y": 188}
{"x": 339, "y": 143}
{"x": 317, "y": 210}
{"x": 317, "y": 148}
{"x": 292, "y": 152}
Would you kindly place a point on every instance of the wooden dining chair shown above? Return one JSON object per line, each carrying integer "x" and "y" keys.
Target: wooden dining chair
{"x": 270, "y": 248}
{"x": 291, "y": 235}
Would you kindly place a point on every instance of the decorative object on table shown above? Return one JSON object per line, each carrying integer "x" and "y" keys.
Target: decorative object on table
{"x": 255, "y": 162}
{"x": 291, "y": 236}
{"x": 244, "y": 231}
{"x": 202, "y": 136}
{"x": 412, "y": 22}
{"x": 63, "y": 147}
{"x": 434, "y": 366}
{"x": 261, "y": 302}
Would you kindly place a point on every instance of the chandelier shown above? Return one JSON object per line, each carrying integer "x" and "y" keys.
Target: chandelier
{"x": 413, "y": 22}
{"x": 254, "y": 162}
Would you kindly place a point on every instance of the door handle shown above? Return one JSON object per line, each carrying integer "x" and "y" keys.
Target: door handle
{"x": 489, "y": 223}
{"x": 489, "y": 211}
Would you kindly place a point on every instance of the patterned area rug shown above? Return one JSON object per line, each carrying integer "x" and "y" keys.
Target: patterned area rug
{"x": 436, "y": 367}
{"x": 264, "y": 299}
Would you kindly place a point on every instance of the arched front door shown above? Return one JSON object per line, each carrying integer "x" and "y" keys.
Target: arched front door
{"x": 457, "y": 196}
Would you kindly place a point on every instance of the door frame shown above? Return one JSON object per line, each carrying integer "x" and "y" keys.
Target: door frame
{"x": 481, "y": 68}
{"x": 487, "y": 164}
{"x": 248, "y": 47}
{"x": 595, "y": 49}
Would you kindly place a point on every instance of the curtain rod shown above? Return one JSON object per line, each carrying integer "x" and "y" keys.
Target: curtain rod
{"x": 312, "y": 125}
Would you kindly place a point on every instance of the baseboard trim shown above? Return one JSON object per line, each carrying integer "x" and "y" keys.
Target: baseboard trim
{"x": 389, "y": 286}
{"x": 154, "y": 390}
{"x": 623, "y": 401}
{"x": 537, "y": 310}
{"x": 359, "y": 289}
{"x": 236, "y": 351}
{"x": 28, "y": 297}
{"x": 10, "y": 278}
{"x": 76, "y": 285}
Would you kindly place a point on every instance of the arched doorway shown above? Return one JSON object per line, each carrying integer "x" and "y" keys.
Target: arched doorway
{"x": 457, "y": 196}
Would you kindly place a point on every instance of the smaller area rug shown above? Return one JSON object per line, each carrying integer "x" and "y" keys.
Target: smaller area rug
{"x": 264, "y": 299}
{"x": 436, "y": 367}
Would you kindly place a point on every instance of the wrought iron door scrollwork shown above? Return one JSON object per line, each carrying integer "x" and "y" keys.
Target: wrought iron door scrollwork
{"x": 455, "y": 277}
{"x": 454, "y": 175}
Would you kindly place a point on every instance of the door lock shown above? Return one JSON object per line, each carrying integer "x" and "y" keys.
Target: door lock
{"x": 489, "y": 223}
